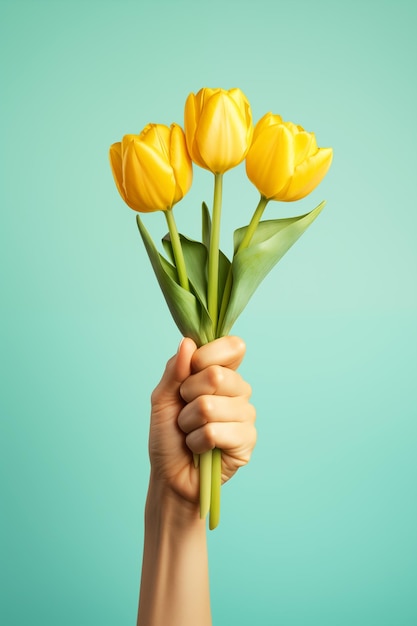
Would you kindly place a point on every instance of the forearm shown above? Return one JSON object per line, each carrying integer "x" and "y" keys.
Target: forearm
{"x": 175, "y": 584}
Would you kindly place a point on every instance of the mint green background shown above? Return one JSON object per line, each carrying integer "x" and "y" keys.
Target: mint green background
{"x": 320, "y": 528}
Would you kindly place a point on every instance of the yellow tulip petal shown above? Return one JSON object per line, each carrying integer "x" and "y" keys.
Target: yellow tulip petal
{"x": 115, "y": 155}
{"x": 180, "y": 162}
{"x": 222, "y": 134}
{"x": 190, "y": 126}
{"x": 126, "y": 140}
{"x": 249, "y": 137}
{"x": 190, "y": 116}
{"x": 149, "y": 179}
{"x": 269, "y": 119}
{"x": 242, "y": 104}
{"x": 134, "y": 180}
{"x": 302, "y": 147}
{"x": 238, "y": 96}
{"x": 270, "y": 161}
{"x": 293, "y": 128}
{"x": 313, "y": 145}
{"x": 157, "y": 137}
{"x": 308, "y": 175}
{"x": 158, "y": 175}
{"x": 204, "y": 95}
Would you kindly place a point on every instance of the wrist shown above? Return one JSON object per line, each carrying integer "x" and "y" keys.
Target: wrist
{"x": 175, "y": 583}
{"x": 166, "y": 507}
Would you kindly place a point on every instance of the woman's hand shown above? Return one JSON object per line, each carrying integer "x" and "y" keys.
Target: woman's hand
{"x": 200, "y": 403}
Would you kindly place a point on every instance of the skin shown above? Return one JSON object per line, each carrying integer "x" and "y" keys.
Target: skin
{"x": 200, "y": 403}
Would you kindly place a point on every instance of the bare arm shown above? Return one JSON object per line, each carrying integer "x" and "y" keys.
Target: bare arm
{"x": 200, "y": 403}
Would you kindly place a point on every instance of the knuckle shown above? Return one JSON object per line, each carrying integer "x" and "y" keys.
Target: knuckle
{"x": 215, "y": 376}
{"x": 209, "y": 431}
{"x": 205, "y": 407}
{"x": 238, "y": 344}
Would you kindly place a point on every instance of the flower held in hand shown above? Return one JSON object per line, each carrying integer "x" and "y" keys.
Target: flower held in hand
{"x": 204, "y": 289}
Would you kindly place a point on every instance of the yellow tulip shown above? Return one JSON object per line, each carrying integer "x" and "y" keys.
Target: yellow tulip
{"x": 284, "y": 161}
{"x": 153, "y": 170}
{"x": 218, "y": 128}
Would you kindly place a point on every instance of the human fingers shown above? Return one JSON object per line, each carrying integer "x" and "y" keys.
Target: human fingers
{"x": 214, "y": 380}
{"x": 210, "y": 409}
{"x": 226, "y": 351}
{"x": 236, "y": 439}
{"x": 177, "y": 369}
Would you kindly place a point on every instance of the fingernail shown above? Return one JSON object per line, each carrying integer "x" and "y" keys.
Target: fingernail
{"x": 180, "y": 344}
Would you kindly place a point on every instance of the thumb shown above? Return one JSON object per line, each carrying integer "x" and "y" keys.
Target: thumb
{"x": 177, "y": 370}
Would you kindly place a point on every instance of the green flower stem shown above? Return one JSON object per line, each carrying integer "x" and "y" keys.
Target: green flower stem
{"x": 216, "y": 480}
{"x": 213, "y": 263}
{"x": 216, "y": 462}
{"x": 250, "y": 231}
{"x": 205, "y": 483}
{"x": 253, "y": 224}
{"x": 209, "y": 489}
{"x": 177, "y": 250}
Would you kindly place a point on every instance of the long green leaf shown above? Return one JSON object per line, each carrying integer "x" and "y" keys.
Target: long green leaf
{"x": 224, "y": 265}
{"x": 272, "y": 239}
{"x": 195, "y": 257}
{"x": 206, "y": 225}
{"x": 264, "y": 230}
{"x": 184, "y": 306}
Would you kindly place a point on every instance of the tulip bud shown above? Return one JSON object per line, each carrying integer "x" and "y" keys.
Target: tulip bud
{"x": 218, "y": 128}
{"x": 284, "y": 161}
{"x": 153, "y": 170}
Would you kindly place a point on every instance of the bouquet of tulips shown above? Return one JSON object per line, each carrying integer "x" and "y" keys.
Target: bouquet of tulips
{"x": 205, "y": 291}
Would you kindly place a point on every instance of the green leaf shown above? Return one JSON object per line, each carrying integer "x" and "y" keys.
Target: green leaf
{"x": 187, "y": 312}
{"x": 195, "y": 257}
{"x": 166, "y": 242}
{"x": 271, "y": 240}
{"x": 206, "y": 225}
{"x": 264, "y": 230}
{"x": 224, "y": 262}
{"x": 205, "y": 331}
{"x": 224, "y": 265}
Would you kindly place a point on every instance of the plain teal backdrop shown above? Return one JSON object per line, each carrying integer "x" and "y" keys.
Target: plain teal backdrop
{"x": 320, "y": 528}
